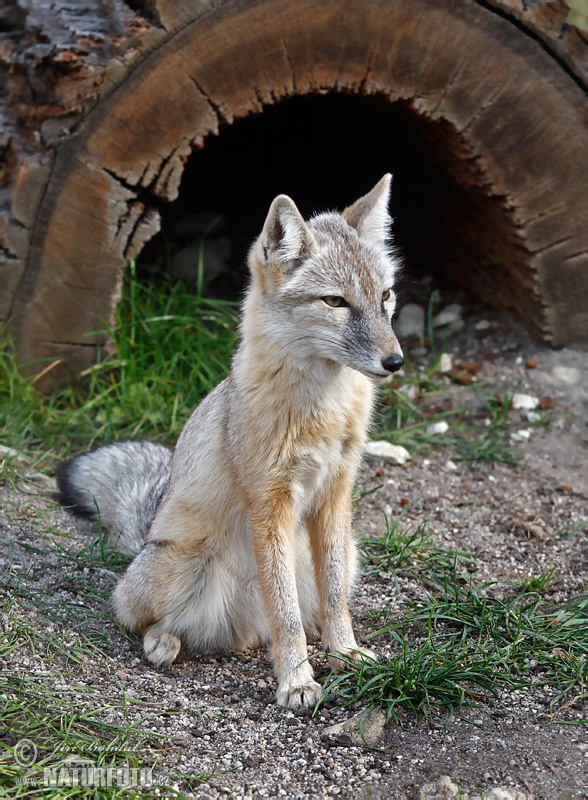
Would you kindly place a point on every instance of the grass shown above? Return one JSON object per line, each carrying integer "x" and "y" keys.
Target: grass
{"x": 171, "y": 348}
{"x": 53, "y": 713}
{"x": 412, "y": 552}
{"x": 478, "y": 429}
{"x": 59, "y": 697}
{"x": 464, "y": 643}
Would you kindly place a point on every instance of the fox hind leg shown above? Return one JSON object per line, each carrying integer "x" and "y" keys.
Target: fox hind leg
{"x": 139, "y": 595}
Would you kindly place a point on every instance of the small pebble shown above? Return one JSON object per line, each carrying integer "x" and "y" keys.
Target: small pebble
{"x": 440, "y": 427}
{"x": 385, "y": 451}
{"x": 524, "y": 402}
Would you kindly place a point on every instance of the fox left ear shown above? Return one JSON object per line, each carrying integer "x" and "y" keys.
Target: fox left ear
{"x": 370, "y": 216}
{"x": 286, "y": 237}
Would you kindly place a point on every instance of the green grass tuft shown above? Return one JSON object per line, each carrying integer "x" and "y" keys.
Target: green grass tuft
{"x": 412, "y": 553}
{"x": 460, "y": 643}
{"x": 171, "y": 348}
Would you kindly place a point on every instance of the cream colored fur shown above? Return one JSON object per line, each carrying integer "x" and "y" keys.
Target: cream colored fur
{"x": 252, "y": 540}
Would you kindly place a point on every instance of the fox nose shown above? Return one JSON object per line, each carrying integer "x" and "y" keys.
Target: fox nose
{"x": 393, "y": 363}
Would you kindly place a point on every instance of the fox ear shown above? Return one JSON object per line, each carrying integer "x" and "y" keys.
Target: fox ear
{"x": 370, "y": 216}
{"x": 286, "y": 237}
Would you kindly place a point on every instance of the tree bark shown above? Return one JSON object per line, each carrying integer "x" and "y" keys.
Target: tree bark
{"x": 103, "y": 102}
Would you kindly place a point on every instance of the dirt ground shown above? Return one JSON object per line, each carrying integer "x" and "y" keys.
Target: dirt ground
{"x": 516, "y": 520}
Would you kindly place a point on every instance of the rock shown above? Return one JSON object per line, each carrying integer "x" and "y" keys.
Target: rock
{"x": 445, "y": 363}
{"x": 521, "y": 436}
{"x": 385, "y": 451}
{"x": 451, "y": 465}
{"x": 445, "y": 789}
{"x": 410, "y": 390}
{"x": 484, "y": 325}
{"x": 524, "y": 402}
{"x": 410, "y": 321}
{"x": 440, "y": 427}
{"x": 568, "y": 375}
{"x": 442, "y": 789}
{"x": 361, "y": 730}
{"x": 450, "y": 315}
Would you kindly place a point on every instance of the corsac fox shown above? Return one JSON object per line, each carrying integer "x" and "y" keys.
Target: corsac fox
{"x": 243, "y": 534}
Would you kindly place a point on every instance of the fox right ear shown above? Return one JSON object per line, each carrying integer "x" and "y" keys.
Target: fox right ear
{"x": 286, "y": 237}
{"x": 370, "y": 216}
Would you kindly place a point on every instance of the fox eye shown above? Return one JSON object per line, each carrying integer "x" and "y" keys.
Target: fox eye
{"x": 386, "y": 295}
{"x": 334, "y": 301}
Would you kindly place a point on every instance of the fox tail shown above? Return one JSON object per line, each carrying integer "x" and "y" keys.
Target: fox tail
{"x": 119, "y": 484}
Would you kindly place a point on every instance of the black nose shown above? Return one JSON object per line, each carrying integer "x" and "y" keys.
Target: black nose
{"x": 393, "y": 363}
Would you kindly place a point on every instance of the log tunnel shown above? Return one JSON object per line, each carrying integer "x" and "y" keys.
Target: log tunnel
{"x": 481, "y": 115}
{"x": 325, "y": 151}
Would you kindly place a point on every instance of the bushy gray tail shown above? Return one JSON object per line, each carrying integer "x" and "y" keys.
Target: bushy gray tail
{"x": 122, "y": 484}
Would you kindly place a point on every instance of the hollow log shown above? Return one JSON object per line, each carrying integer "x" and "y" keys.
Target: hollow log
{"x": 104, "y": 102}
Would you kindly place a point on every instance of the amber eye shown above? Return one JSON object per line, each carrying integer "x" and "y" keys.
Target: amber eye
{"x": 334, "y": 301}
{"x": 386, "y": 295}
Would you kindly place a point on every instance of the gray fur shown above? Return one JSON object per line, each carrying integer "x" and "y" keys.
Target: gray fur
{"x": 122, "y": 485}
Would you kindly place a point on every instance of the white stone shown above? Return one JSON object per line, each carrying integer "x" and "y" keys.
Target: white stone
{"x": 450, "y": 464}
{"x": 534, "y": 416}
{"x": 386, "y": 451}
{"x": 445, "y": 363}
{"x": 483, "y": 325}
{"x": 448, "y": 316}
{"x": 521, "y": 436}
{"x": 410, "y": 321}
{"x": 524, "y": 402}
{"x": 505, "y": 793}
{"x": 440, "y": 427}
{"x": 410, "y": 390}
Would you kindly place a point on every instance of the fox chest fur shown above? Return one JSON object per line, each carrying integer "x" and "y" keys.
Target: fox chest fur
{"x": 262, "y": 443}
{"x": 294, "y": 435}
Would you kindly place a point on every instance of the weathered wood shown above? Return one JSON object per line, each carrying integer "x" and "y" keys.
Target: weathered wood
{"x": 123, "y": 99}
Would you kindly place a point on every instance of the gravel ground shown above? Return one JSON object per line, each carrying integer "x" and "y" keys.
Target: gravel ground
{"x": 217, "y": 714}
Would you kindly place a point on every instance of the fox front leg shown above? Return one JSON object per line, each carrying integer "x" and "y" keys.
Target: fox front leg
{"x": 334, "y": 557}
{"x": 274, "y": 530}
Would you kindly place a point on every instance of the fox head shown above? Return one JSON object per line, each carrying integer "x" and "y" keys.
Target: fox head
{"x": 323, "y": 289}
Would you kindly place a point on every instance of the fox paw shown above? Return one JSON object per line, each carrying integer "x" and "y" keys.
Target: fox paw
{"x": 161, "y": 647}
{"x": 343, "y": 655}
{"x": 303, "y": 696}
